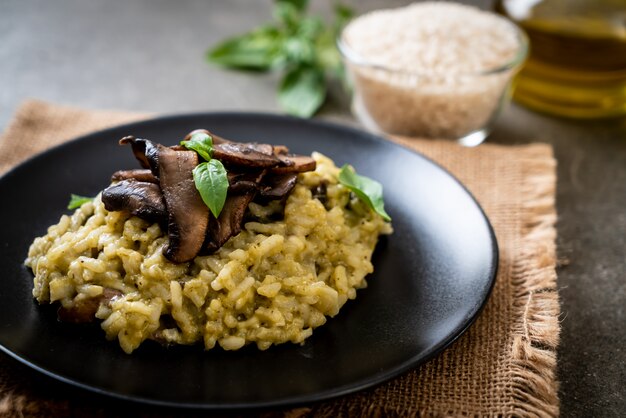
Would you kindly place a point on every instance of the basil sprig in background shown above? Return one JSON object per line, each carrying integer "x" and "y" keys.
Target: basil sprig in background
{"x": 301, "y": 46}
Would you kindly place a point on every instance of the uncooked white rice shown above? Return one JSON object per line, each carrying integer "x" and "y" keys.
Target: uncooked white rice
{"x": 274, "y": 282}
{"x": 423, "y": 70}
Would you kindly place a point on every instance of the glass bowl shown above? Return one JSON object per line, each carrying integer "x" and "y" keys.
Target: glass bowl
{"x": 459, "y": 105}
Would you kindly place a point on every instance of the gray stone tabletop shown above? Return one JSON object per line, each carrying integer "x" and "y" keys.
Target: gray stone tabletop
{"x": 149, "y": 56}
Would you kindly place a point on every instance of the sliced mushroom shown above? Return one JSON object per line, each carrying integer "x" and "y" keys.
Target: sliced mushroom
{"x": 260, "y": 172}
{"x": 229, "y": 223}
{"x": 239, "y": 183}
{"x": 277, "y": 186}
{"x": 145, "y": 151}
{"x": 140, "y": 174}
{"x": 247, "y": 155}
{"x": 242, "y": 189}
{"x": 294, "y": 164}
{"x": 141, "y": 199}
{"x": 188, "y": 215}
{"x": 280, "y": 150}
{"x": 320, "y": 192}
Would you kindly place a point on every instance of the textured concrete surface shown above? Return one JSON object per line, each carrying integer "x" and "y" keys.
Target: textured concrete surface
{"x": 149, "y": 56}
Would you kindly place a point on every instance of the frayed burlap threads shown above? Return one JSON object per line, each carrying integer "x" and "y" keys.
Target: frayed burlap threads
{"x": 504, "y": 366}
{"x": 536, "y": 334}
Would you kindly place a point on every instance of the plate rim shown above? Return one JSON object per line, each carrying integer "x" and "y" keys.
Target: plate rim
{"x": 373, "y": 380}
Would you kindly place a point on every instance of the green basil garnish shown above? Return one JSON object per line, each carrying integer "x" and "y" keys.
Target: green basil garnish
{"x": 212, "y": 182}
{"x": 77, "y": 201}
{"x": 200, "y": 143}
{"x": 210, "y": 176}
{"x": 368, "y": 190}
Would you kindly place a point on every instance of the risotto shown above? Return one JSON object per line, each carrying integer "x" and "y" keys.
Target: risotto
{"x": 274, "y": 282}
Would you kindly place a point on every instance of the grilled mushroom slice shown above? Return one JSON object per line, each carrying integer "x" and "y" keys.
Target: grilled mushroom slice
{"x": 140, "y": 174}
{"x": 145, "y": 151}
{"x": 242, "y": 189}
{"x": 141, "y": 199}
{"x": 277, "y": 186}
{"x": 249, "y": 155}
{"x": 229, "y": 223}
{"x": 188, "y": 215}
{"x": 292, "y": 163}
{"x": 260, "y": 172}
{"x": 240, "y": 183}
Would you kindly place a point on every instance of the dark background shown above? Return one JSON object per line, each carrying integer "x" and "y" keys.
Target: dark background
{"x": 148, "y": 55}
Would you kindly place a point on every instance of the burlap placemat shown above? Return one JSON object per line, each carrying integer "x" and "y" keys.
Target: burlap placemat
{"x": 503, "y": 366}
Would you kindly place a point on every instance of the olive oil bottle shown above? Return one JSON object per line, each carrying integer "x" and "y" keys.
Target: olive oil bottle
{"x": 577, "y": 62}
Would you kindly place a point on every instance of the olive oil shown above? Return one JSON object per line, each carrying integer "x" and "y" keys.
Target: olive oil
{"x": 577, "y": 62}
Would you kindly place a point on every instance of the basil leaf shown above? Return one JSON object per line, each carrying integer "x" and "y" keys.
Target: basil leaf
{"x": 200, "y": 143}
{"x": 287, "y": 15}
{"x": 302, "y": 91}
{"x": 302, "y": 45}
{"x": 212, "y": 183}
{"x": 298, "y": 51}
{"x": 299, "y": 5}
{"x": 77, "y": 201}
{"x": 257, "y": 50}
{"x": 368, "y": 190}
{"x": 310, "y": 27}
{"x": 328, "y": 56}
{"x": 343, "y": 14}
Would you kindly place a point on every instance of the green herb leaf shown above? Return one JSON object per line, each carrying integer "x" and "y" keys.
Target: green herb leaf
{"x": 299, "y": 51}
{"x": 77, "y": 201}
{"x": 328, "y": 56}
{"x": 212, "y": 183}
{"x": 368, "y": 190}
{"x": 200, "y": 143}
{"x": 310, "y": 27}
{"x": 288, "y": 15}
{"x": 299, "y": 5}
{"x": 301, "y": 45}
{"x": 343, "y": 14}
{"x": 258, "y": 50}
{"x": 302, "y": 91}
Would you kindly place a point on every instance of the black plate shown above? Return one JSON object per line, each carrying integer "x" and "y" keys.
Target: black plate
{"x": 433, "y": 275}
